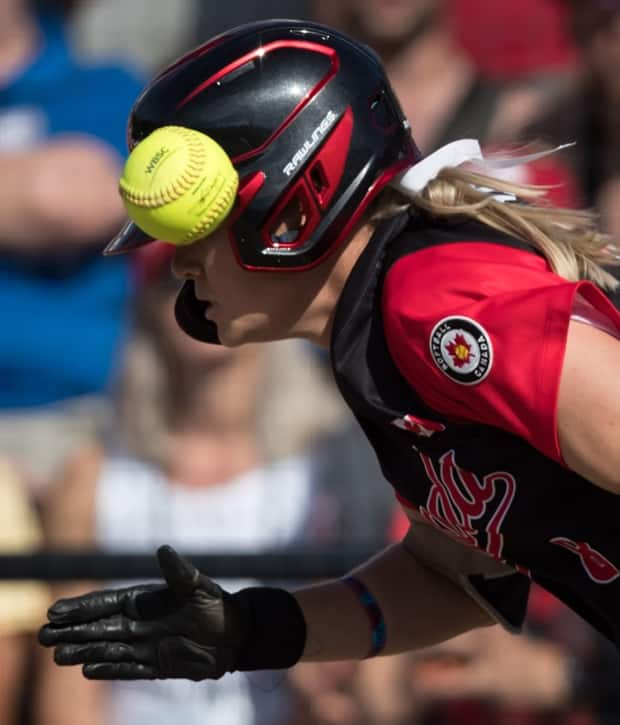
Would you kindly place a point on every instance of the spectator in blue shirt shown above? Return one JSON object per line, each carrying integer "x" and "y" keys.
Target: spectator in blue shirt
{"x": 64, "y": 309}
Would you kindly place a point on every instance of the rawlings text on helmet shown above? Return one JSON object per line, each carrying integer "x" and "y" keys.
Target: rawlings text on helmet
{"x": 318, "y": 133}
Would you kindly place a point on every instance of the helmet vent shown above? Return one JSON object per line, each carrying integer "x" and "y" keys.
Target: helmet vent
{"x": 237, "y": 73}
{"x": 319, "y": 182}
{"x": 290, "y": 223}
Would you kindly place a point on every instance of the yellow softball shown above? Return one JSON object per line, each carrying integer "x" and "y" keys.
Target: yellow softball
{"x": 178, "y": 185}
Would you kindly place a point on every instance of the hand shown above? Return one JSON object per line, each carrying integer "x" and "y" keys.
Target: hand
{"x": 37, "y": 213}
{"x": 189, "y": 629}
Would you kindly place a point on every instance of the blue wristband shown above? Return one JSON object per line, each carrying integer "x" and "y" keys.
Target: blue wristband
{"x": 375, "y": 615}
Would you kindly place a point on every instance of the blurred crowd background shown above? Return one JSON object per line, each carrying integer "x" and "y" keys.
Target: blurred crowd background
{"x": 117, "y": 433}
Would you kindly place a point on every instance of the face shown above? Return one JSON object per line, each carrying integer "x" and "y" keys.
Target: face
{"x": 387, "y": 22}
{"x": 246, "y": 306}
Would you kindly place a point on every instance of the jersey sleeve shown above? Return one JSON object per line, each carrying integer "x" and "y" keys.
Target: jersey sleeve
{"x": 479, "y": 331}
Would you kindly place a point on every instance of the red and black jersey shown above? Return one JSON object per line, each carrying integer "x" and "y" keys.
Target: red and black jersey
{"x": 447, "y": 345}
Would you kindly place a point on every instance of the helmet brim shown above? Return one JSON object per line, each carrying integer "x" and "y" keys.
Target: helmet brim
{"x": 129, "y": 238}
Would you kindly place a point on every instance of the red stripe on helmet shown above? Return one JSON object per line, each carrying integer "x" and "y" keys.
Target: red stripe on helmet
{"x": 259, "y": 53}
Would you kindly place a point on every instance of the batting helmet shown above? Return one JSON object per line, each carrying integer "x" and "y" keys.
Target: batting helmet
{"x": 308, "y": 118}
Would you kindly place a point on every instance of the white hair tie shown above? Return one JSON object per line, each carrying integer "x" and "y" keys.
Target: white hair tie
{"x": 467, "y": 150}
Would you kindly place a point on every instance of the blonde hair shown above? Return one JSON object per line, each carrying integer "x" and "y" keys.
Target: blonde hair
{"x": 568, "y": 239}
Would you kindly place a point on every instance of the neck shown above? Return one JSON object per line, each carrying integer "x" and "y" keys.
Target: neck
{"x": 212, "y": 422}
{"x": 208, "y": 400}
{"x": 316, "y": 324}
{"x": 18, "y": 39}
{"x": 201, "y": 459}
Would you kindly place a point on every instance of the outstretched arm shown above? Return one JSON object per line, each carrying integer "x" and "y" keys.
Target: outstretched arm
{"x": 420, "y": 608}
{"x": 190, "y": 628}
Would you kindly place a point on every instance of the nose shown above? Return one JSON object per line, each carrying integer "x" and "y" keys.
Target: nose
{"x": 184, "y": 264}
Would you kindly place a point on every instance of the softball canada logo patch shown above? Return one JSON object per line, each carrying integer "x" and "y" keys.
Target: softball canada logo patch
{"x": 461, "y": 349}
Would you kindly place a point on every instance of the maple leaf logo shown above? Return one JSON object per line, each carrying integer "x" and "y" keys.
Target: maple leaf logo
{"x": 460, "y": 350}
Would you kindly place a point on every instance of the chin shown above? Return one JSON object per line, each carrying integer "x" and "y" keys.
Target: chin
{"x": 241, "y": 331}
{"x": 227, "y": 338}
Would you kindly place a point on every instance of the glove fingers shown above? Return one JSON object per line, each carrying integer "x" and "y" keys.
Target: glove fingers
{"x": 116, "y": 629}
{"x": 181, "y": 575}
{"x": 119, "y": 671}
{"x": 96, "y": 605}
{"x": 101, "y": 652}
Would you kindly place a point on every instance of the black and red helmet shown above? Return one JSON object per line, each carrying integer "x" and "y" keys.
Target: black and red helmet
{"x": 308, "y": 118}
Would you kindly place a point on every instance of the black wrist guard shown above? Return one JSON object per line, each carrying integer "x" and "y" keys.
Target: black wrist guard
{"x": 277, "y": 635}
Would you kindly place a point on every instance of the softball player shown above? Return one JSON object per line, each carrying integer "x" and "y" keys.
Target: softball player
{"x": 469, "y": 333}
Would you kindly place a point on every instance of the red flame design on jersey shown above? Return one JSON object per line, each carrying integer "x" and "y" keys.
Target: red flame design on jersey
{"x": 597, "y": 566}
{"x": 458, "y": 499}
{"x": 460, "y": 350}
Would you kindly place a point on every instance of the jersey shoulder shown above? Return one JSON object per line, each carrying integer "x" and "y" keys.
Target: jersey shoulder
{"x": 447, "y": 269}
{"x": 477, "y": 327}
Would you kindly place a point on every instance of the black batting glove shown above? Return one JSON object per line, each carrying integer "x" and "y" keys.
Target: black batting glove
{"x": 189, "y": 628}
